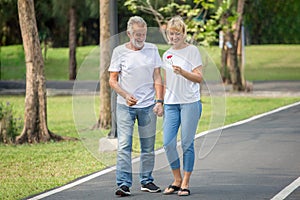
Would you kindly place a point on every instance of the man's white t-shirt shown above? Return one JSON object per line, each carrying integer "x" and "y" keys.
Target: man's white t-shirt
{"x": 180, "y": 90}
{"x": 136, "y": 72}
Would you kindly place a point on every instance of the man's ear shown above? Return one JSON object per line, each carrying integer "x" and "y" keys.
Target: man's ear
{"x": 128, "y": 33}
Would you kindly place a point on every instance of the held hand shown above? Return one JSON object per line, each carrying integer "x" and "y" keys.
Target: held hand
{"x": 158, "y": 109}
{"x": 130, "y": 100}
{"x": 177, "y": 69}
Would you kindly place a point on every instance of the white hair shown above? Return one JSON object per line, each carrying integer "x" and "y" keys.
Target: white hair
{"x": 135, "y": 20}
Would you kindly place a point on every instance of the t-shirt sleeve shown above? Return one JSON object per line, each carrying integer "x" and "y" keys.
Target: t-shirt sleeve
{"x": 158, "y": 62}
{"x": 196, "y": 59}
{"x": 115, "y": 63}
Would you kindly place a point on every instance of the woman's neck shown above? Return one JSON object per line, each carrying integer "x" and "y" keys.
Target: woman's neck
{"x": 180, "y": 46}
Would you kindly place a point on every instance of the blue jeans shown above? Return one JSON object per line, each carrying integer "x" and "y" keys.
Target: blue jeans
{"x": 186, "y": 115}
{"x": 146, "y": 119}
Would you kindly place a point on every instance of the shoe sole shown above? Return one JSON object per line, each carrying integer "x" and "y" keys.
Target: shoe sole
{"x": 151, "y": 191}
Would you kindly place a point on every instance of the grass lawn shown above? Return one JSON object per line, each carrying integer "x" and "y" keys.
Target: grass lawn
{"x": 262, "y": 62}
{"x": 30, "y": 169}
{"x": 56, "y": 62}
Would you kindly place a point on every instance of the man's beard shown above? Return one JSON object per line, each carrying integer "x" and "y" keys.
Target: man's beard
{"x": 137, "y": 44}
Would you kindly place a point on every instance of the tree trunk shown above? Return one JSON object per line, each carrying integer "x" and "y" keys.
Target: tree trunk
{"x": 229, "y": 51}
{"x": 72, "y": 43}
{"x": 105, "y": 91}
{"x": 225, "y": 62}
{"x": 35, "y": 120}
{"x": 234, "y": 38}
{"x": 234, "y": 69}
{"x": 238, "y": 42}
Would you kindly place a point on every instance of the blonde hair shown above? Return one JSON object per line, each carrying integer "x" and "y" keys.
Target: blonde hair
{"x": 176, "y": 23}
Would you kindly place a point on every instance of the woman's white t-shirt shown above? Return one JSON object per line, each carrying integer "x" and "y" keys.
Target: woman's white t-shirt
{"x": 180, "y": 90}
{"x": 136, "y": 70}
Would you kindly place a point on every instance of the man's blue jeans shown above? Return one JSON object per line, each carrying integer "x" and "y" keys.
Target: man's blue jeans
{"x": 186, "y": 115}
{"x": 146, "y": 119}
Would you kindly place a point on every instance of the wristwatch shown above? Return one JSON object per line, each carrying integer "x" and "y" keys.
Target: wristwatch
{"x": 159, "y": 101}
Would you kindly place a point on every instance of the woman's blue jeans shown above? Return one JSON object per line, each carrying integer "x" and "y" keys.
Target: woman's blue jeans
{"x": 187, "y": 116}
{"x": 146, "y": 119}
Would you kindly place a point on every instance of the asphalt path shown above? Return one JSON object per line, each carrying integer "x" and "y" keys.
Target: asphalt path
{"x": 253, "y": 159}
{"x": 260, "y": 88}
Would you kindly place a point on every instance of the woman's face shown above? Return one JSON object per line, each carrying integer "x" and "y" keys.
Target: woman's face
{"x": 175, "y": 37}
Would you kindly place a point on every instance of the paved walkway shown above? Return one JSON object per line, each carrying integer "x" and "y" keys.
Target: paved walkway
{"x": 260, "y": 88}
{"x": 254, "y": 159}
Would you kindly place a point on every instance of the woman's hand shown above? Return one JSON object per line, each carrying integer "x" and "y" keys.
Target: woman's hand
{"x": 177, "y": 69}
{"x": 195, "y": 75}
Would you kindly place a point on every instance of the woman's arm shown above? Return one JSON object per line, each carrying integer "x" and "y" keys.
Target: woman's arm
{"x": 195, "y": 75}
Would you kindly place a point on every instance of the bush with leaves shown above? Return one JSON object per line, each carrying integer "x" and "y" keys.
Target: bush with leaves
{"x": 9, "y": 125}
{"x": 199, "y": 15}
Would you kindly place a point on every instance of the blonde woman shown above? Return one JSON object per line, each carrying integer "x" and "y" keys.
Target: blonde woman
{"x": 182, "y": 106}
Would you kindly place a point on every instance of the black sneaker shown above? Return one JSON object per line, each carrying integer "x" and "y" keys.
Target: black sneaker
{"x": 150, "y": 187}
{"x": 123, "y": 191}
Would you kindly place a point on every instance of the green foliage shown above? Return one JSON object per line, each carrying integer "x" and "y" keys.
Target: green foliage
{"x": 9, "y": 29}
{"x": 227, "y": 15}
{"x": 274, "y": 22}
{"x": 201, "y": 26}
{"x": 9, "y": 124}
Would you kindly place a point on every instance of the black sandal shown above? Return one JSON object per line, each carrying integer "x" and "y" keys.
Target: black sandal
{"x": 174, "y": 189}
{"x": 184, "y": 190}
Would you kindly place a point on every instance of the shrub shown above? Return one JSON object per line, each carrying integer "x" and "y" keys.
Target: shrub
{"x": 9, "y": 125}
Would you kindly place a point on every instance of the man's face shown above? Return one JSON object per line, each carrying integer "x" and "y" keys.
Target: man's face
{"x": 138, "y": 35}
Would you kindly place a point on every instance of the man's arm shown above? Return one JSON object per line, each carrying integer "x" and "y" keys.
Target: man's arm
{"x": 114, "y": 84}
{"x": 158, "y": 85}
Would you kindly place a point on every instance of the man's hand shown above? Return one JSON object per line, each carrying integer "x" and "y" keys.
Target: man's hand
{"x": 158, "y": 109}
{"x": 130, "y": 100}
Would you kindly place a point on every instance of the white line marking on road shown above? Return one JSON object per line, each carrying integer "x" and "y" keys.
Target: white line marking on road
{"x": 287, "y": 190}
{"x": 100, "y": 173}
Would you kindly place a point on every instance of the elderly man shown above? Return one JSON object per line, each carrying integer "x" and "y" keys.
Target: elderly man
{"x": 135, "y": 76}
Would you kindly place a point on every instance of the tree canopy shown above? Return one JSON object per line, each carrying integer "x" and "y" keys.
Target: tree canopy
{"x": 274, "y": 22}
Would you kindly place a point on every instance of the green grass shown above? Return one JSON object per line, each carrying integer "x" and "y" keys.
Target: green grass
{"x": 267, "y": 62}
{"x": 56, "y": 62}
{"x": 30, "y": 169}
{"x": 262, "y": 62}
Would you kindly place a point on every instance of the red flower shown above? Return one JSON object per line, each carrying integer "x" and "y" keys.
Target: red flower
{"x": 169, "y": 56}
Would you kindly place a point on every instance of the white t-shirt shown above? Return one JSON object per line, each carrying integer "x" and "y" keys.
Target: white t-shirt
{"x": 180, "y": 90}
{"x": 136, "y": 72}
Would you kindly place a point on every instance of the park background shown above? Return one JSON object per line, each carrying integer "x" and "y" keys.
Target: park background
{"x": 272, "y": 54}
